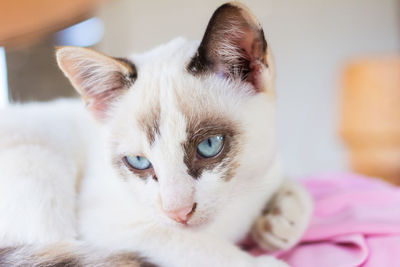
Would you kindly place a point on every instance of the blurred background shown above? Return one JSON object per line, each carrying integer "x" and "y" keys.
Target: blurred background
{"x": 338, "y": 65}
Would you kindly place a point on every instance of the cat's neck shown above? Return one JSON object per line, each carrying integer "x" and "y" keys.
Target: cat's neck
{"x": 245, "y": 205}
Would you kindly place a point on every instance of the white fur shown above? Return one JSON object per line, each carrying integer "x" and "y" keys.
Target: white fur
{"x": 46, "y": 148}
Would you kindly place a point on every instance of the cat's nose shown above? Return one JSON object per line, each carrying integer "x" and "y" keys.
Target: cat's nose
{"x": 181, "y": 215}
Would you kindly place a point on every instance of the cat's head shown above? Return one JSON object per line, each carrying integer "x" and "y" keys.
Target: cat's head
{"x": 190, "y": 127}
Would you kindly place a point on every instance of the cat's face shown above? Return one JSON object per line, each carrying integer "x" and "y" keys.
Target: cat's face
{"x": 188, "y": 127}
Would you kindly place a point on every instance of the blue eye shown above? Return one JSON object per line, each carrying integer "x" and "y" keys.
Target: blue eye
{"x": 211, "y": 146}
{"x": 137, "y": 162}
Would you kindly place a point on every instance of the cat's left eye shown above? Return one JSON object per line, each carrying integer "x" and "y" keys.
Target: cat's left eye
{"x": 211, "y": 146}
{"x": 137, "y": 162}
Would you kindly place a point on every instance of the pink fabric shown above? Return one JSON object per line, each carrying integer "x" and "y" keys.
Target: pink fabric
{"x": 356, "y": 222}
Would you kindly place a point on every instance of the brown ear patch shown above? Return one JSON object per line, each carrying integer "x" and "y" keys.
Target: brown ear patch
{"x": 233, "y": 46}
{"x": 131, "y": 75}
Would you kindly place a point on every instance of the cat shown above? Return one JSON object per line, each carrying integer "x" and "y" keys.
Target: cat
{"x": 172, "y": 160}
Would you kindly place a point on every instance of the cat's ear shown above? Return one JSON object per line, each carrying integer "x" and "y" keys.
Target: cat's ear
{"x": 98, "y": 78}
{"x": 234, "y": 46}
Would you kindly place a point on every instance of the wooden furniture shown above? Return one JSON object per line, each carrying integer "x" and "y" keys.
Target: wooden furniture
{"x": 24, "y": 21}
{"x": 370, "y": 116}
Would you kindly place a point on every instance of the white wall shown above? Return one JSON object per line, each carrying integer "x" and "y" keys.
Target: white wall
{"x": 311, "y": 39}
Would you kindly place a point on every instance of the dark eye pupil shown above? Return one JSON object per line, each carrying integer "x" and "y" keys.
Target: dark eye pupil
{"x": 209, "y": 142}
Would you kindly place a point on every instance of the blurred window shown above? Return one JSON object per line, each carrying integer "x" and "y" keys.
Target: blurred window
{"x": 86, "y": 33}
{"x": 3, "y": 79}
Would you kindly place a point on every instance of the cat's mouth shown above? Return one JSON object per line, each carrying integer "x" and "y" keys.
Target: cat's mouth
{"x": 197, "y": 221}
{"x": 187, "y": 216}
{"x": 192, "y": 224}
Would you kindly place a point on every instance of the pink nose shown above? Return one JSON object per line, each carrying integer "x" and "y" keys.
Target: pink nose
{"x": 181, "y": 215}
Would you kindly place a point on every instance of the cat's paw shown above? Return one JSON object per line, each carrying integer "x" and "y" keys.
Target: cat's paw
{"x": 269, "y": 261}
{"x": 285, "y": 219}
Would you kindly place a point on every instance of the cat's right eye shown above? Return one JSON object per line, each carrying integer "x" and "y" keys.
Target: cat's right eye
{"x": 137, "y": 162}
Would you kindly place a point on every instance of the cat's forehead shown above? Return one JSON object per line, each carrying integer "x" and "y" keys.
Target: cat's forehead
{"x": 173, "y": 113}
{"x": 178, "y": 107}
{"x": 169, "y": 103}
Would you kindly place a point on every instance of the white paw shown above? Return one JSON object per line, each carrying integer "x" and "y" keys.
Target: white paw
{"x": 269, "y": 261}
{"x": 284, "y": 221}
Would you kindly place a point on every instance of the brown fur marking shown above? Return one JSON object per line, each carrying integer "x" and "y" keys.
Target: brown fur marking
{"x": 201, "y": 128}
{"x": 127, "y": 259}
{"x": 60, "y": 255}
{"x": 251, "y": 46}
{"x": 51, "y": 257}
{"x": 5, "y": 254}
{"x": 131, "y": 76}
{"x": 150, "y": 123}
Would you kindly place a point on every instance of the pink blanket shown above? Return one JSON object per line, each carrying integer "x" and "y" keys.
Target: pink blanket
{"x": 356, "y": 222}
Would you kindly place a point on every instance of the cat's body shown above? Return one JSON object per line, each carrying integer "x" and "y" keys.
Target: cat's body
{"x": 67, "y": 177}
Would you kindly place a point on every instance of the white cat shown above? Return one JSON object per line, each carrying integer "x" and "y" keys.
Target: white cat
{"x": 179, "y": 163}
